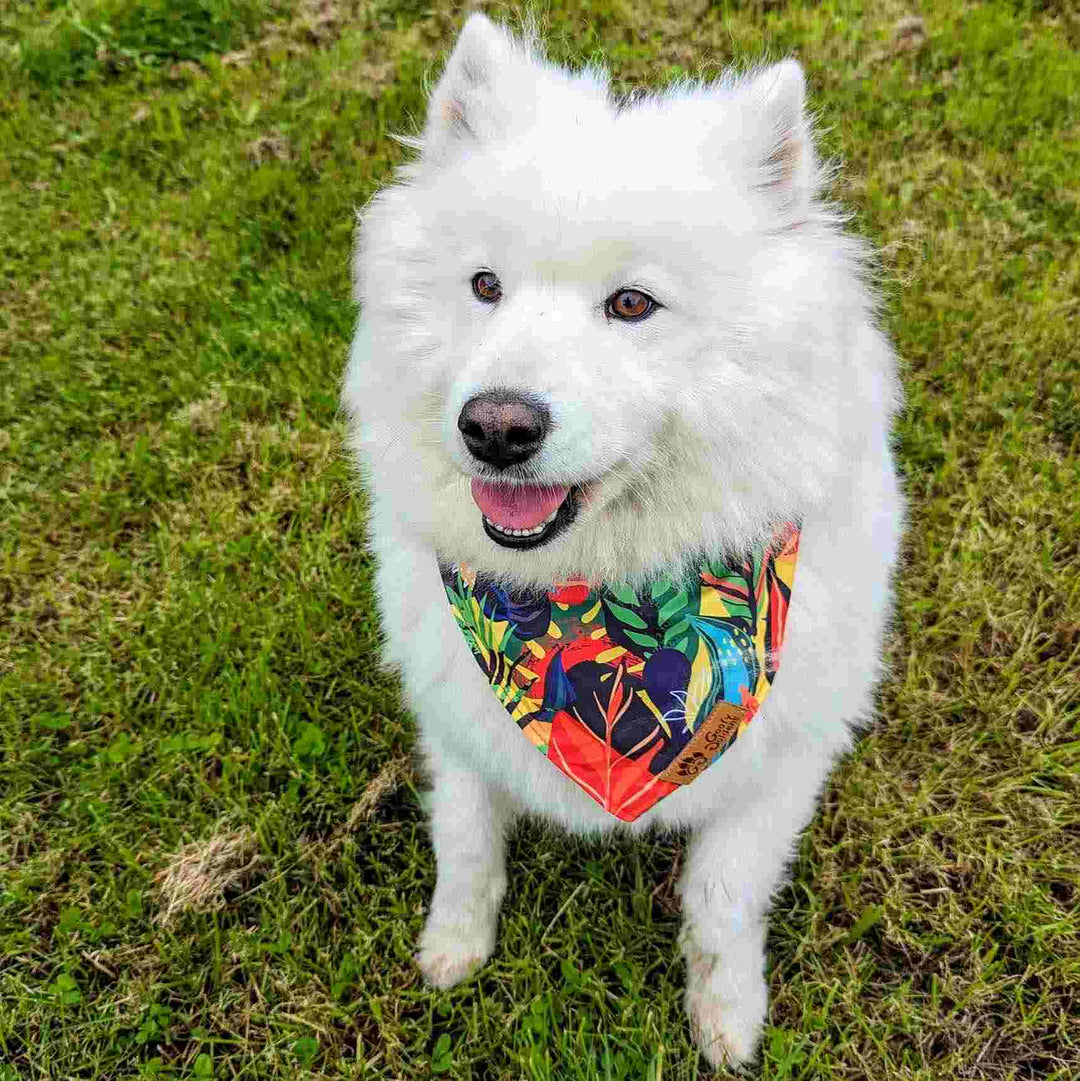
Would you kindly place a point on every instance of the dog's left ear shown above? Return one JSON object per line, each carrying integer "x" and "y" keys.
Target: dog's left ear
{"x": 464, "y": 106}
{"x": 787, "y": 160}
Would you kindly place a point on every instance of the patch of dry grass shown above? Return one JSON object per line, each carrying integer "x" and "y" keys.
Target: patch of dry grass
{"x": 199, "y": 877}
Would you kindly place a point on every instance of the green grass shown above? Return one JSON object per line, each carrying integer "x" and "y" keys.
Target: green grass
{"x": 86, "y": 42}
{"x": 188, "y": 650}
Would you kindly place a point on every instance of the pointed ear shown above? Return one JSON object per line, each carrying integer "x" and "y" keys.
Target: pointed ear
{"x": 787, "y": 161}
{"x": 463, "y": 105}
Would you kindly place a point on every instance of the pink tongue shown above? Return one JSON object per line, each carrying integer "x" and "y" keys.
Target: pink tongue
{"x": 516, "y": 507}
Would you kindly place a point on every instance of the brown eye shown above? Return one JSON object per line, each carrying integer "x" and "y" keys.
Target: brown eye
{"x": 629, "y": 304}
{"x": 486, "y": 286}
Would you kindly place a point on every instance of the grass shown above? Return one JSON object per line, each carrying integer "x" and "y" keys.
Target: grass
{"x": 213, "y": 860}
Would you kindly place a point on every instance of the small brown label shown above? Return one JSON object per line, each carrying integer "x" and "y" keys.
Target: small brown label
{"x": 720, "y": 725}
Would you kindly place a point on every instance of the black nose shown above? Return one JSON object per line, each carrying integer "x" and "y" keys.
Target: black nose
{"x": 502, "y": 428}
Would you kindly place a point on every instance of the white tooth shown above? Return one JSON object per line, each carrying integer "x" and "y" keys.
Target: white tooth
{"x": 507, "y": 532}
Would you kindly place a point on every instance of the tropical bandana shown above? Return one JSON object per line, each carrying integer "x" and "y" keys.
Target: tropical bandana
{"x": 633, "y": 693}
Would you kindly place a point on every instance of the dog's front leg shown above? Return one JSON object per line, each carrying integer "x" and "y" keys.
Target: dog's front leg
{"x": 469, "y": 822}
{"x": 734, "y": 865}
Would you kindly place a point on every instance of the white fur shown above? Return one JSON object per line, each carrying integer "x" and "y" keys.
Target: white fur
{"x": 763, "y": 389}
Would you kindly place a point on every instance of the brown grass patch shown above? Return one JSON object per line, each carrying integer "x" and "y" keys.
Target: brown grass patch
{"x": 204, "y": 416}
{"x": 273, "y": 145}
{"x": 396, "y": 772}
{"x": 200, "y": 874}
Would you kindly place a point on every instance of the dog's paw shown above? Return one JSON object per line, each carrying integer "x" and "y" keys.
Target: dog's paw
{"x": 451, "y": 952}
{"x": 726, "y": 1014}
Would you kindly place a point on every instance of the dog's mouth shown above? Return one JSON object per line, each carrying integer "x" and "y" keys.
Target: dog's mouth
{"x": 525, "y": 515}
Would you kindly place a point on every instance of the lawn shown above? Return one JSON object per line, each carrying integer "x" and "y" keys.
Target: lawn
{"x": 213, "y": 859}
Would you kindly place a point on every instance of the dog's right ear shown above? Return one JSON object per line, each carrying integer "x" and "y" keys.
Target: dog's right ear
{"x": 463, "y": 106}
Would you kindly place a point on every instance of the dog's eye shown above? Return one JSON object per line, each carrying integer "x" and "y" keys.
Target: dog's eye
{"x": 629, "y": 305}
{"x": 486, "y": 286}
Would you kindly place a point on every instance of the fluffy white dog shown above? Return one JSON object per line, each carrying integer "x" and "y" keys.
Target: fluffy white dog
{"x": 603, "y": 346}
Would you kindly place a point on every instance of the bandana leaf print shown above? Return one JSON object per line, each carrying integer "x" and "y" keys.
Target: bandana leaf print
{"x": 633, "y": 693}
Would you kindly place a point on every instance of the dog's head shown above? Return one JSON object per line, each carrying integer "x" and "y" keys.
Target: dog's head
{"x": 597, "y": 336}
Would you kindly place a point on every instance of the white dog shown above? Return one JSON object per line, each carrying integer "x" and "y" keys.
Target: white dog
{"x": 617, "y": 367}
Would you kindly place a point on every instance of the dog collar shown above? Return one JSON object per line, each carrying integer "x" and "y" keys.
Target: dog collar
{"x": 633, "y": 693}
